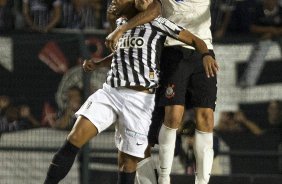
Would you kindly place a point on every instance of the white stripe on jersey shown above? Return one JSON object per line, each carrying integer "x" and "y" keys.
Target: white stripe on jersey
{"x": 138, "y": 53}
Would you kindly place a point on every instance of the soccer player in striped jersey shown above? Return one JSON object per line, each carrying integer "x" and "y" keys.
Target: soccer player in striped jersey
{"x": 127, "y": 95}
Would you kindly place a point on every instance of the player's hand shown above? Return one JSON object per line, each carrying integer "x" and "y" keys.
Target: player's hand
{"x": 210, "y": 65}
{"x": 112, "y": 38}
{"x": 88, "y": 65}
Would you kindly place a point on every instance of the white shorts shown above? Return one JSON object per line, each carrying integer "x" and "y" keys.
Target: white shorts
{"x": 132, "y": 110}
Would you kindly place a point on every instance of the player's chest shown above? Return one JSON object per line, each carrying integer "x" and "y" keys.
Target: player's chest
{"x": 138, "y": 38}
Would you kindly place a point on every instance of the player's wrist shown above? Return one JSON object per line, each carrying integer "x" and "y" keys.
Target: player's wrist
{"x": 123, "y": 28}
{"x": 207, "y": 54}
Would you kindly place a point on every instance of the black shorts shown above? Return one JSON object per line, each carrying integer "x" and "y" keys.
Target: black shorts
{"x": 183, "y": 82}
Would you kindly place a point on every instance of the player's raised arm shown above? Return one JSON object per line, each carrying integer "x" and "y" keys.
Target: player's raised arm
{"x": 171, "y": 29}
{"x": 91, "y": 64}
{"x": 149, "y": 10}
{"x": 210, "y": 65}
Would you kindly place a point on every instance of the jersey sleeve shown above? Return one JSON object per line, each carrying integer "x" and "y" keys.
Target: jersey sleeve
{"x": 167, "y": 27}
{"x": 120, "y": 21}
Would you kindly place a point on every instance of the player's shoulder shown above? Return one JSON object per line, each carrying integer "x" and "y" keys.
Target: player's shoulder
{"x": 160, "y": 20}
{"x": 164, "y": 22}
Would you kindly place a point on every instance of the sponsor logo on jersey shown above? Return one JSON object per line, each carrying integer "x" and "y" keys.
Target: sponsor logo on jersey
{"x": 131, "y": 42}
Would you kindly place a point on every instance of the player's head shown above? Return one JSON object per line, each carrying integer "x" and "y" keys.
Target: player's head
{"x": 142, "y": 5}
{"x": 122, "y": 7}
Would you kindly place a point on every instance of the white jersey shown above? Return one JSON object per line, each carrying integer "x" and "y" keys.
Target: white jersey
{"x": 193, "y": 15}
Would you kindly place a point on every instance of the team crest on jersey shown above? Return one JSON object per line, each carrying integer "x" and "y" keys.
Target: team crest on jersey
{"x": 169, "y": 93}
{"x": 152, "y": 75}
{"x": 131, "y": 42}
{"x": 141, "y": 27}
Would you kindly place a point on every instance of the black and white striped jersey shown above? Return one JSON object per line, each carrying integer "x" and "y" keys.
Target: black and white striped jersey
{"x": 136, "y": 60}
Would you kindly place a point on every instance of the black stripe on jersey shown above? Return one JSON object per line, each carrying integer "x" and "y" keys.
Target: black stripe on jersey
{"x": 124, "y": 69}
{"x": 162, "y": 31}
{"x": 159, "y": 47}
{"x": 140, "y": 58}
{"x": 131, "y": 60}
{"x": 116, "y": 67}
{"x": 149, "y": 47}
{"x": 174, "y": 30}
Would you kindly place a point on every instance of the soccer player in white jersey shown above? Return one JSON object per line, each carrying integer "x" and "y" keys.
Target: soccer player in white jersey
{"x": 198, "y": 89}
{"x": 127, "y": 95}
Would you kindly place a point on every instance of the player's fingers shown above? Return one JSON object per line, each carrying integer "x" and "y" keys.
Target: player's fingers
{"x": 214, "y": 71}
{"x": 216, "y": 65}
{"x": 211, "y": 71}
{"x": 215, "y": 68}
{"x": 207, "y": 71}
{"x": 113, "y": 46}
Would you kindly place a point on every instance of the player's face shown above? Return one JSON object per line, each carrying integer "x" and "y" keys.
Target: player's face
{"x": 142, "y": 5}
{"x": 120, "y": 5}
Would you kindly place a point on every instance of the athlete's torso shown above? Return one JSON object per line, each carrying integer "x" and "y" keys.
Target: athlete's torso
{"x": 193, "y": 15}
{"x": 136, "y": 60}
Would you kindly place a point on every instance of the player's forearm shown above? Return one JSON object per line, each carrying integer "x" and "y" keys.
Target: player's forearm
{"x": 153, "y": 11}
{"x": 105, "y": 62}
{"x": 200, "y": 45}
{"x": 190, "y": 39}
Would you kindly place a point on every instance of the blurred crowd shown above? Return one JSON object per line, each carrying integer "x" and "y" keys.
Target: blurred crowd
{"x": 228, "y": 16}
{"x": 15, "y": 116}
{"x": 234, "y": 124}
{"x": 238, "y": 122}
{"x": 44, "y": 15}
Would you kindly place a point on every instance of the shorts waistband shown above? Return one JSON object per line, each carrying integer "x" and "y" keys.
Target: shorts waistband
{"x": 142, "y": 89}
